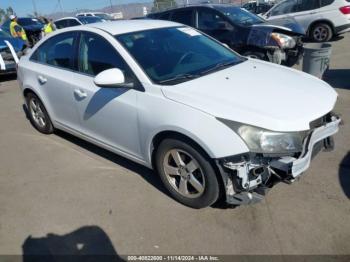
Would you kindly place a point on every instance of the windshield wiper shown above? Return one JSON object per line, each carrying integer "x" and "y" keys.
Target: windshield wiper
{"x": 179, "y": 78}
{"x": 220, "y": 66}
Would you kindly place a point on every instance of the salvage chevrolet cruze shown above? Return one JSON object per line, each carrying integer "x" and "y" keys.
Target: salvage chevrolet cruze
{"x": 213, "y": 124}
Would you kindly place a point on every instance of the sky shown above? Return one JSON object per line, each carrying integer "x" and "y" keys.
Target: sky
{"x": 24, "y": 7}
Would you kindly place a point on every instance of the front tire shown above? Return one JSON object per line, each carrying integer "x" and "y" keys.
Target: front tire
{"x": 187, "y": 173}
{"x": 38, "y": 115}
{"x": 321, "y": 32}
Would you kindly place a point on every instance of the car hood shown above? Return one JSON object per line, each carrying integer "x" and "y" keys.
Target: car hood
{"x": 33, "y": 28}
{"x": 286, "y": 25}
{"x": 259, "y": 94}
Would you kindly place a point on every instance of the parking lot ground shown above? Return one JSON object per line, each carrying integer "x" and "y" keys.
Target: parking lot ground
{"x": 64, "y": 195}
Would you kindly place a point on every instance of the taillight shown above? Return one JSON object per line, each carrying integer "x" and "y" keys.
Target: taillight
{"x": 345, "y": 10}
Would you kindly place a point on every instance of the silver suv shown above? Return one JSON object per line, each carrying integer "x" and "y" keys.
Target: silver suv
{"x": 321, "y": 19}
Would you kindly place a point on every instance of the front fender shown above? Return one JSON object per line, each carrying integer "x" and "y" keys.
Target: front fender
{"x": 214, "y": 137}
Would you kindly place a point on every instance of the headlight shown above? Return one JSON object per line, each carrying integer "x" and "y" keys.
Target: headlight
{"x": 264, "y": 141}
{"x": 283, "y": 40}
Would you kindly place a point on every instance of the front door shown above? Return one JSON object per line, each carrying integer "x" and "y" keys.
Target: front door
{"x": 107, "y": 115}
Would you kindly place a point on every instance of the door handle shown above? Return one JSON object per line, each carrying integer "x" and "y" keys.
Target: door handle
{"x": 312, "y": 13}
{"x": 42, "y": 80}
{"x": 80, "y": 94}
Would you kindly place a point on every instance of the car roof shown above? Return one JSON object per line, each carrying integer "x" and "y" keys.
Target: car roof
{"x": 205, "y": 5}
{"x": 129, "y": 26}
{"x": 68, "y": 17}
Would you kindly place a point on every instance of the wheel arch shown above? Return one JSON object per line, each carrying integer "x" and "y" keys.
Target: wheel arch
{"x": 27, "y": 90}
{"x": 160, "y": 136}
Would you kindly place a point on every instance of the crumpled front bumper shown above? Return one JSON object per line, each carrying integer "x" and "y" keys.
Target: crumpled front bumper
{"x": 296, "y": 167}
{"x": 248, "y": 177}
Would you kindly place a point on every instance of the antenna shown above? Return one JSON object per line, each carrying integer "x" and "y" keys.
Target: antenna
{"x": 34, "y": 8}
{"x": 110, "y": 1}
{"x": 60, "y": 4}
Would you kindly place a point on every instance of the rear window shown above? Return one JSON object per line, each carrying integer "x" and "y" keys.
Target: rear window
{"x": 183, "y": 17}
{"x": 328, "y": 2}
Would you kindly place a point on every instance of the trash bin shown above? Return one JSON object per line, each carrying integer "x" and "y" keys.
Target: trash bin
{"x": 316, "y": 58}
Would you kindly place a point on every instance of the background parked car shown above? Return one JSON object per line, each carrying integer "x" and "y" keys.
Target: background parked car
{"x": 32, "y": 26}
{"x": 7, "y": 60}
{"x": 75, "y": 21}
{"x": 257, "y": 8}
{"x": 101, "y": 15}
{"x": 243, "y": 31}
{"x": 321, "y": 19}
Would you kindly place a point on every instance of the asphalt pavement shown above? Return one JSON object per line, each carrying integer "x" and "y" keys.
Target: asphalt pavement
{"x": 62, "y": 195}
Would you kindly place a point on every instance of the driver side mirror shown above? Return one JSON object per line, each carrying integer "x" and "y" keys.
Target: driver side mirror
{"x": 112, "y": 78}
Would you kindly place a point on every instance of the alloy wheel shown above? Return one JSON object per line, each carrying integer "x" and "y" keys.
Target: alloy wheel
{"x": 320, "y": 33}
{"x": 184, "y": 173}
{"x": 37, "y": 113}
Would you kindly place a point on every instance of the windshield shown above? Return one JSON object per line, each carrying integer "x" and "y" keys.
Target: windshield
{"x": 104, "y": 16}
{"x": 173, "y": 55}
{"x": 28, "y": 21}
{"x": 89, "y": 19}
{"x": 240, "y": 16}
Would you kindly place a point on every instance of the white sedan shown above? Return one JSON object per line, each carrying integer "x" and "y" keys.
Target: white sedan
{"x": 213, "y": 124}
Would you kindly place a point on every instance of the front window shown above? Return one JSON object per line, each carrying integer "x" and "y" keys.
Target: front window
{"x": 240, "y": 16}
{"x": 104, "y": 16}
{"x": 97, "y": 55}
{"x": 286, "y": 7}
{"x": 173, "y": 55}
{"x": 210, "y": 20}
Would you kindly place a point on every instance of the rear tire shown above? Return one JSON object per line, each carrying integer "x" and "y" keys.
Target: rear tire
{"x": 187, "y": 173}
{"x": 321, "y": 32}
{"x": 38, "y": 115}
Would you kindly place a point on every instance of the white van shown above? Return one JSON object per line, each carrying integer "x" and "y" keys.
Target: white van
{"x": 321, "y": 19}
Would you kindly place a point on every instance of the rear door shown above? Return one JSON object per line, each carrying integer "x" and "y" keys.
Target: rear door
{"x": 53, "y": 77}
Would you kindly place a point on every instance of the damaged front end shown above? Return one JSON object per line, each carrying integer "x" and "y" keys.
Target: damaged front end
{"x": 281, "y": 44}
{"x": 248, "y": 177}
{"x": 8, "y": 58}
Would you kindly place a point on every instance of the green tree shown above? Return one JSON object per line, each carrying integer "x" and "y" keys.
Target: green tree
{"x": 161, "y": 5}
{"x": 5, "y": 14}
{"x": 2, "y": 14}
